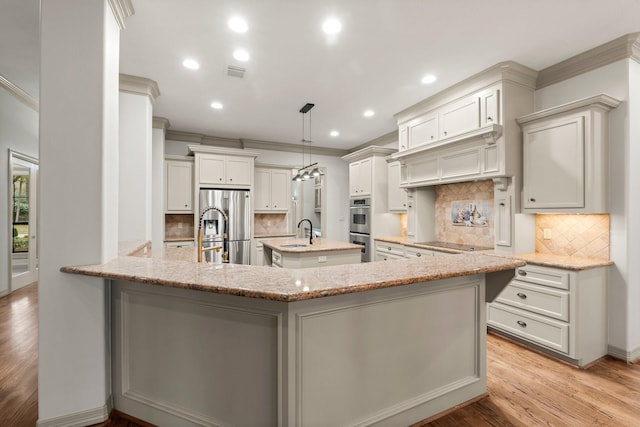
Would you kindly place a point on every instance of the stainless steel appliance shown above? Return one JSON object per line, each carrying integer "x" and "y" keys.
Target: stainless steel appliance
{"x": 360, "y": 226}
{"x": 237, "y": 205}
{"x": 364, "y": 240}
{"x": 360, "y": 214}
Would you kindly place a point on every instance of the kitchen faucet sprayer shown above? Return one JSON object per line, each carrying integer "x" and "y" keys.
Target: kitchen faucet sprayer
{"x": 225, "y": 241}
{"x": 310, "y": 229}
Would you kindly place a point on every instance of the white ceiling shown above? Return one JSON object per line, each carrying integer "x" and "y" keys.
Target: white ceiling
{"x": 376, "y": 62}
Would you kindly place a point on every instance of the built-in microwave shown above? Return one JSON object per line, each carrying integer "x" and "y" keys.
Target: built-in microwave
{"x": 360, "y": 213}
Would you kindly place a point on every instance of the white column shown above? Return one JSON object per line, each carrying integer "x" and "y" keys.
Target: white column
{"x": 78, "y": 204}
{"x": 160, "y": 126}
{"x": 137, "y": 95}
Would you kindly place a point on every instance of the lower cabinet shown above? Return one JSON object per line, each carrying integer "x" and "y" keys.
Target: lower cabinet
{"x": 386, "y": 251}
{"x": 562, "y": 312}
{"x": 180, "y": 244}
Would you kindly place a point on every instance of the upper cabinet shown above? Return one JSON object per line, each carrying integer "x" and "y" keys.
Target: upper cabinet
{"x": 565, "y": 157}
{"x": 178, "y": 185}
{"x": 360, "y": 178}
{"x": 225, "y": 171}
{"x": 368, "y": 172}
{"x": 272, "y": 190}
{"x": 468, "y": 131}
{"x": 396, "y": 196}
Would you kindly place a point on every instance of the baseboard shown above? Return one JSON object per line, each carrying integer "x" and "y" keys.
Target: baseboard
{"x": 80, "y": 419}
{"x": 3, "y": 293}
{"x": 628, "y": 356}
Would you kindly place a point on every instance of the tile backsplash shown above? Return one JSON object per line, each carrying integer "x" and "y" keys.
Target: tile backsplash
{"x": 178, "y": 226}
{"x": 573, "y": 235}
{"x": 271, "y": 224}
{"x": 478, "y": 194}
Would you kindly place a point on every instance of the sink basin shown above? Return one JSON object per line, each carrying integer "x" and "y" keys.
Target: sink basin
{"x": 294, "y": 245}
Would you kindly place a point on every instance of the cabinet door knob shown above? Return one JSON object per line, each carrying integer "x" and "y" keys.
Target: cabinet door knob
{"x": 230, "y": 179}
{"x": 522, "y": 273}
{"x": 389, "y": 248}
{"x": 521, "y": 295}
{"x": 522, "y": 324}
{"x": 432, "y": 135}
{"x": 445, "y": 133}
{"x": 220, "y": 179}
{"x": 418, "y": 255}
{"x": 489, "y": 119}
{"x": 532, "y": 199}
{"x": 275, "y": 206}
{"x": 501, "y": 204}
{"x": 185, "y": 206}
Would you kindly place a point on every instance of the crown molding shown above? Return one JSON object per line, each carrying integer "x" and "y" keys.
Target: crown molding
{"x": 206, "y": 149}
{"x": 121, "y": 9}
{"x": 216, "y": 141}
{"x": 161, "y": 123}
{"x": 140, "y": 86}
{"x": 381, "y": 140}
{"x": 20, "y": 94}
{"x": 602, "y": 102}
{"x": 627, "y": 46}
{"x": 372, "y": 150}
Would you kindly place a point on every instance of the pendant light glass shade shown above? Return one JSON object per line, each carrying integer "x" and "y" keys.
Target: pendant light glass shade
{"x": 306, "y": 175}
{"x": 315, "y": 172}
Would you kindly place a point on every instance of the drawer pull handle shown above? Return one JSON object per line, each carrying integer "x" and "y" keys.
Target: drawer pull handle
{"x": 388, "y": 248}
{"x": 521, "y": 323}
{"x": 418, "y": 255}
{"x": 522, "y": 273}
{"x": 521, "y": 295}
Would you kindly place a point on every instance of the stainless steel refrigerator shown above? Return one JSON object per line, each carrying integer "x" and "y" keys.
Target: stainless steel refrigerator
{"x": 237, "y": 205}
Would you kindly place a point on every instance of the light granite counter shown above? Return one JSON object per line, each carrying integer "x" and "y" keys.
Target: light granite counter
{"x": 176, "y": 267}
{"x": 302, "y": 245}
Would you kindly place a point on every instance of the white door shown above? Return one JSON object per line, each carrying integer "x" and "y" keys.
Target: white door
{"x": 23, "y": 220}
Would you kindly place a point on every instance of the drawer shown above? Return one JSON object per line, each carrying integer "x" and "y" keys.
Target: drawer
{"x": 418, "y": 253}
{"x": 180, "y": 244}
{"x": 538, "y": 329}
{"x": 276, "y": 259}
{"x": 544, "y": 276}
{"x": 385, "y": 256}
{"x": 390, "y": 248}
{"x": 538, "y": 299}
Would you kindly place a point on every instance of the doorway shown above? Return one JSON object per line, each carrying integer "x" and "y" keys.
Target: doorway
{"x": 23, "y": 220}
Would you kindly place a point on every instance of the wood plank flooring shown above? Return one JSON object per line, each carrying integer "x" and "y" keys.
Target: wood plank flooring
{"x": 525, "y": 388}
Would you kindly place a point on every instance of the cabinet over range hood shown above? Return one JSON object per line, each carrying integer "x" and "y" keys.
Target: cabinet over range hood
{"x": 468, "y": 131}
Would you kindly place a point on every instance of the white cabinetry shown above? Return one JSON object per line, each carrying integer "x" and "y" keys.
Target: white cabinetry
{"x": 180, "y": 244}
{"x": 563, "y": 311}
{"x": 468, "y": 131}
{"x": 360, "y": 177}
{"x": 565, "y": 157}
{"x": 225, "y": 171}
{"x": 397, "y": 197}
{"x": 178, "y": 181}
{"x": 388, "y": 251}
{"x": 272, "y": 190}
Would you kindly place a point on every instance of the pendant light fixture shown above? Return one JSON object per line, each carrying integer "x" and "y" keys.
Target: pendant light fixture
{"x": 303, "y": 173}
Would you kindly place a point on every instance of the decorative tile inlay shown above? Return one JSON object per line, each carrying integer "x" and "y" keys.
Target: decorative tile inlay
{"x": 459, "y": 196}
{"x": 573, "y": 235}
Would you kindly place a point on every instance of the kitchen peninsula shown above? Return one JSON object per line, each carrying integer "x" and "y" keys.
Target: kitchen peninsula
{"x": 300, "y": 253}
{"x": 379, "y": 343}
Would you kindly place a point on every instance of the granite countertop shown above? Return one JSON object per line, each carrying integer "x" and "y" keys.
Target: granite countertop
{"x": 547, "y": 260}
{"x": 175, "y": 267}
{"x": 267, "y": 235}
{"x": 319, "y": 245}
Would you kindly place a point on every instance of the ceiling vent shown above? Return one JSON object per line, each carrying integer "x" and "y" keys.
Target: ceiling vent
{"x": 234, "y": 71}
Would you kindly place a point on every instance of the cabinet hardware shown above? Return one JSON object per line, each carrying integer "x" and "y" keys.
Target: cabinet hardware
{"x": 489, "y": 119}
{"x": 230, "y": 179}
{"x": 445, "y": 133}
{"x": 220, "y": 179}
{"x": 532, "y": 200}
{"x": 388, "y": 247}
{"x": 521, "y": 323}
{"x": 522, "y": 273}
{"x": 521, "y": 295}
{"x": 501, "y": 203}
{"x": 432, "y": 135}
{"x": 418, "y": 255}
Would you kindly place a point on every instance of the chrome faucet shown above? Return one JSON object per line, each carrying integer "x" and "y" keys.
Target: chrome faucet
{"x": 225, "y": 239}
{"x": 310, "y": 229}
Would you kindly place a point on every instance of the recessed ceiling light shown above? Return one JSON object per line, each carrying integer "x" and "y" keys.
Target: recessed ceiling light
{"x": 238, "y": 25}
{"x": 216, "y": 105}
{"x": 331, "y": 26}
{"x": 241, "y": 55}
{"x": 334, "y": 133}
{"x": 429, "y": 78}
{"x": 369, "y": 113}
{"x": 190, "y": 64}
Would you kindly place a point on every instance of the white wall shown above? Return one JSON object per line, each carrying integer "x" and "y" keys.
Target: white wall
{"x": 135, "y": 170}
{"x": 622, "y": 81}
{"x": 18, "y": 132}
{"x": 78, "y": 150}
{"x": 337, "y": 186}
{"x": 157, "y": 183}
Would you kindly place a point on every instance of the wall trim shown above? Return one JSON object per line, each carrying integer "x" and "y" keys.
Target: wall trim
{"x": 79, "y": 419}
{"x": 622, "y": 354}
{"x": 121, "y": 9}
{"x": 139, "y": 86}
{"x": 381, "y": 140}
{"x": 161, "y": 123}
{"x": 217, "y": 141}
{"x": 627, "y": 46}
{"x": 19, "y": 93}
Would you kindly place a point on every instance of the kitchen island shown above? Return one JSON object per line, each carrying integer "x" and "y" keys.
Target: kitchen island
{"x": 367, "y": 344}
{"x": 301, "y": 253}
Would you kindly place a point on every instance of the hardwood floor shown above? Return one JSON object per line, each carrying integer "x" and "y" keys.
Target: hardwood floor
{"x": 19, "y": 357}
{"x": 525, "y": 388}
